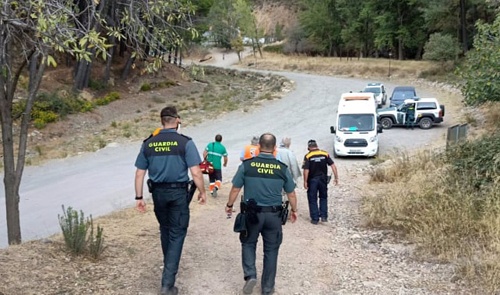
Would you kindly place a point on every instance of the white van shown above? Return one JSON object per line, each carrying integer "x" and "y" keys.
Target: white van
{"x": 357, "y": 128}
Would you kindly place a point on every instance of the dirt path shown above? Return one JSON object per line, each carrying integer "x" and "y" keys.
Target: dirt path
{"x": 336, "y": 257}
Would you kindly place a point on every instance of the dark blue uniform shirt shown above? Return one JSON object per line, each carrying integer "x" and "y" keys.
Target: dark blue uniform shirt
{"x": 317, "y": 161}
{"x": 167, "y": 156}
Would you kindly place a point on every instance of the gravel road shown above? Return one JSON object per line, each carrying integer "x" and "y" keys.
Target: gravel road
{"x": 337, "y": 257}
{"x": 105, "y": 177}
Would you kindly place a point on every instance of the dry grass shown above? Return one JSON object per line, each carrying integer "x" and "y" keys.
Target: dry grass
{"x": 361, "y": 68}
{"x": 491, "y": 112}
{"x": 419, "y": 196}
{"x": 402, "y": 166}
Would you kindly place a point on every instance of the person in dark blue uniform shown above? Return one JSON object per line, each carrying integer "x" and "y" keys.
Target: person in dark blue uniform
{"x": 264, "y": 178}
{"x": 166, "y": 157}
{"x": 316, "y": 180}
{"x": 410, "y": 116}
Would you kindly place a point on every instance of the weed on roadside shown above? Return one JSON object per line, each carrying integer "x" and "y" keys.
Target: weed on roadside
{"x": 447, "y": 203}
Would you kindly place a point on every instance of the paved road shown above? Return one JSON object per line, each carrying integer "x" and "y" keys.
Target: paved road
{"x": 101, "y": 182}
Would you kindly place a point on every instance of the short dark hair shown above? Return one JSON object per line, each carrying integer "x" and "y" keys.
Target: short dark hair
{"x": 218, "y": 138}
{"x": 254, "y": 140}
{"x": 267, "y": 141}
{"x": 312, "y": 143}
{"x": 169, "y": 111}
{"x": 168, "y": 114}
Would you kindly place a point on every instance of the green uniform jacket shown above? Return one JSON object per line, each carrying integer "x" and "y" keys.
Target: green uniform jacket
{"x": 264, "y": 178}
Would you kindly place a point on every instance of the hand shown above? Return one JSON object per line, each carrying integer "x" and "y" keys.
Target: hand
{"x": 293, "y": 217}
{"x": 202, "y": 198}
{"x": 229, "y": 211}
{"x": 140, "y": 205}
{"x": 336, "y": 181}
{"x": 305, "y": 185}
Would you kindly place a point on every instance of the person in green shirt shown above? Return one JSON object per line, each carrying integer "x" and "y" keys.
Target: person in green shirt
{"x": 214, "y": 152}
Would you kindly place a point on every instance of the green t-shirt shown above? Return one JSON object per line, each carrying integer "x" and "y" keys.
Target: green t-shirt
{"x": 216, "y": 151}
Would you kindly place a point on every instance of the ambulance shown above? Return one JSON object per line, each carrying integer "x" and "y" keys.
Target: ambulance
{"x": 357, "y": 128}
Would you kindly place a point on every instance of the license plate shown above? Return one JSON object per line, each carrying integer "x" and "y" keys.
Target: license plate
{"x": 354, "y": 151}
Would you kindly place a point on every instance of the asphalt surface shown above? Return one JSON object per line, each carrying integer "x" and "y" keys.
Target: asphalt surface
{"x": 102, "y": 182}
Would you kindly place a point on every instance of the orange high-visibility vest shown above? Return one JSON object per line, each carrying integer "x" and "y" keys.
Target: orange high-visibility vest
{"x": 251, "y": 151}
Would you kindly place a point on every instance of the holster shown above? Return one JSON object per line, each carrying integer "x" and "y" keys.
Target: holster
{"x": 284, "y": 212}
{"x": 240, "y": 222}
{"x": 191, "y": 190}
{"x": 149, "y": 182}
{"x": 251, "y": 211}
{"x": 243, "y": 207}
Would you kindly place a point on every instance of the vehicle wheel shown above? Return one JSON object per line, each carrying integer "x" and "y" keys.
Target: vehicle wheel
{"x": 386, "y": 123}
{"x": 425, "y": 123}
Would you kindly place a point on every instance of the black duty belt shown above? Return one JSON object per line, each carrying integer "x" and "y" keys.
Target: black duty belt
{"x": 264, "y": 209}
{"x": 169, "y": 184}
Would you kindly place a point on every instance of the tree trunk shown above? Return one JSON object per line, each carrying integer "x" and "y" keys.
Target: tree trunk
{"x": 175, "y": 54}
{"x": 128, "y": 66}
{"x": 13, "y": 171}
{"x": 81, "y": 75}
{"x": 111, "y": 52}
{"x": 123, "y": 48}
{"x": 9, "y": 180}
{"x": 463, "y": 26}
{"x": 6, "y": 99}
{"x": 400, "y": 49}
{"x": 112, "y": 40}
{"x": 180, "y": 56}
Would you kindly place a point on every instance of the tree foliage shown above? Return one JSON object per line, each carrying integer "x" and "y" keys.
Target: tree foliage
{"x": 34, "y": 32}
{"x": 230, "y": 19}
{"x": 376, "y": 27}
{"x": 441, "y": 48}
{"x": 321, "y": 23}
{"x": 31, "y": 33}
{"x": 481, "y": 70}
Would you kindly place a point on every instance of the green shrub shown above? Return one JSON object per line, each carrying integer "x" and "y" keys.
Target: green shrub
{"x": 110, "y": 97}
{"x": 482, "y": 65}
{"x": 448, "y": 205}
{"x": 145, "y": 87}
{"x": 49, "y": 107}
{"x": 441, "y": 47}
{"x": 97, "y": 85}
{"x": 95, "y": 241}
{"x": 74, "y": 228}
{"x": 476, "y": 163}
{"x": 78, "y": 240}
{"x": 278, "y": 48}
{"x": 87, "y": 106}
{"x": 42, "y": 118}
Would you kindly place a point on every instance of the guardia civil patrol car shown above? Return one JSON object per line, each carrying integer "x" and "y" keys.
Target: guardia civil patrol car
{"x": 378, "y": 90}
{"x": 428, "y": 112}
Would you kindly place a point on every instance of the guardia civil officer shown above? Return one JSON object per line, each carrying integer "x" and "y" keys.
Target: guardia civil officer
{"x": 264, "y": 178}
{"x": 316, "y": 180}
{"x": 166, "y": 157}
